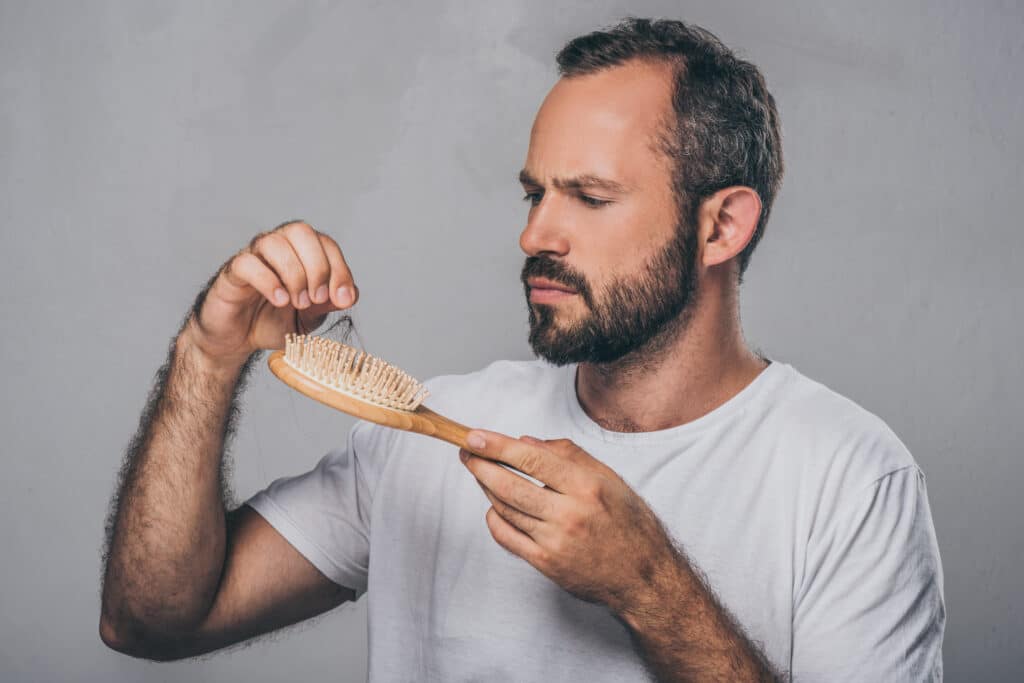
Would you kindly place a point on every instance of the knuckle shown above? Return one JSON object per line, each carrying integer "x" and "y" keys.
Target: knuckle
{"x": 266, "y": 242}
{"x": 526, "y": 523}
{"x": 246, "y": 260}
{"x": 527, "y": 500}
{"x": 574, "y": 525}
{"x": 327, "y": 242}
{"x": 235, "y": 268}
{"x": 529, "y": 461}
{"x": 287, "y": 224}
{"x": 501, "y": 490}
{"x": 556, "y": 548}
{"x": 256, "y": 240}
{"x": 493, "y": 521}
{"x": 330, "y": 242}
{"x": 299, "y": 228}
{"x": 285, "y": 261}
{"x": 606, "y": 492}
{"x": 278, "y": 239}
{"x": 594, "y": 492}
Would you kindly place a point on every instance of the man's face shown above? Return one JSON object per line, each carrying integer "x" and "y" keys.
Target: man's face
{"x": 603, "y": 222}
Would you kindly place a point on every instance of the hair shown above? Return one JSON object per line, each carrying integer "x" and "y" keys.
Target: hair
{"x": 726, "y": 129}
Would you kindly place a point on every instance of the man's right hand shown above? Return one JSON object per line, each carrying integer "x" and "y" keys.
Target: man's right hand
{"x": 285, "y": 280}
{"x": 184, "y": 575}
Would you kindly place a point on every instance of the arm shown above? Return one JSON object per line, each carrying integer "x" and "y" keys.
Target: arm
{"x": 267, "y": 585}
{"x": 179, "y": 579}
{"x": 182, "y": 577}
{"x": 684, "y": 634}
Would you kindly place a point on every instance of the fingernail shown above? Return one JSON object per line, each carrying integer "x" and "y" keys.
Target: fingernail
{"x": 476, "y": 440}
{"x": 321, "y": 294}
{"x": 280, "y": 296}
{"x": 303, "y": 299}
{"x": 344, "y": 296}
{"x": 463, "y": 456}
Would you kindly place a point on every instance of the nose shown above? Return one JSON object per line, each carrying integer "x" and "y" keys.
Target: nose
{"x": 544, "y": 232}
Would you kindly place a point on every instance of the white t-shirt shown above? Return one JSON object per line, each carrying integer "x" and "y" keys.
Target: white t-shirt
{"x": 806, "y": 513}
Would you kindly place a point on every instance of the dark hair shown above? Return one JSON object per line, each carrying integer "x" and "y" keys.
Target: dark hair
{"x": 726, "y": 127}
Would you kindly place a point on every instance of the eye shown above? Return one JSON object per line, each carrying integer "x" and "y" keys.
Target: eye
{"x": 533, "y": 198}
{"x": 593, "y": 202}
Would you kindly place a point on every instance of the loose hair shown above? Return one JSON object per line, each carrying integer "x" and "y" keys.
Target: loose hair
{"x": 726, "y": 128}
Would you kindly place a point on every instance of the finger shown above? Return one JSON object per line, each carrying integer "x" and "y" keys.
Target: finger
{"x": 512, "y": 539}
{"x": 246, "y": 273}
{"x": 306, "y": 243}
{"x": 534, "y": 459}
{"x": 341, "y": 275}
{"x": 277, "y": 252}
{"x": 528, "y": 524}
{"x": 513, "y": 489}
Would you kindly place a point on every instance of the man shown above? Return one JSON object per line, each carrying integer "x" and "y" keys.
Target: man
{"x": 705, "y": 513}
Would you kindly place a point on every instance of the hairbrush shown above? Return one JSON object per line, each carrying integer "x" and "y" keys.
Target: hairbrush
{"x": 361, "y": 385}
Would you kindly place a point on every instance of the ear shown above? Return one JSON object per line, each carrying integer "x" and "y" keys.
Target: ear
{"x": 728, "y": 219}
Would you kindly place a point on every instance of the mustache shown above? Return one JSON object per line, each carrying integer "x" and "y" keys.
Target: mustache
{"x": 546, "y": 267}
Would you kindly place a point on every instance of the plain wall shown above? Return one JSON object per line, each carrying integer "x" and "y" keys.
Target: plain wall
{"x": 142, "y": 144}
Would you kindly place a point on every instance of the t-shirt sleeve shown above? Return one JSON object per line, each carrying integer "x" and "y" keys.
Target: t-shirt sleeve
{"x": 325, "y": 513}
{"x": 871, "y": 605}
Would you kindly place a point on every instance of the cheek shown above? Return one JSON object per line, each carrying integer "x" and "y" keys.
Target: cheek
{"x": 619, "y": 240}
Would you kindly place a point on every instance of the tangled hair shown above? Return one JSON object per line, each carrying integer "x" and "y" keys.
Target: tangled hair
{"x": 726, "y": 127}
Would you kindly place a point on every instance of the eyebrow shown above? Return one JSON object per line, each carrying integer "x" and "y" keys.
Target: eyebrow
{"x": 587, "y": 180}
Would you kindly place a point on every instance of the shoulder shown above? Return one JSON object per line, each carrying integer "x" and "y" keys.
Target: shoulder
{"x": 839, "y": 439}
{"x": 863, "y": 499}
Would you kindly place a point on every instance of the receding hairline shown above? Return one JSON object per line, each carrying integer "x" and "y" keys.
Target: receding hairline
{"x": 658, "y": 141}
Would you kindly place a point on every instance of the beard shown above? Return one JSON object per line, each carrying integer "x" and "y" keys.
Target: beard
{"x": 636, "y": 315}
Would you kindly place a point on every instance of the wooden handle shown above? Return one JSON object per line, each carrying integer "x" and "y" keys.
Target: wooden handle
{"x": 423, "y": 420}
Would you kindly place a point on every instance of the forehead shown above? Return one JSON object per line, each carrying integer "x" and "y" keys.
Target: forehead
{"x": 603, "y": 123}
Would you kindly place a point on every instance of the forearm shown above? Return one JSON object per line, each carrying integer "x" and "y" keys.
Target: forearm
{"x": 167, "y": 535}
{"x": 683, "y": 633}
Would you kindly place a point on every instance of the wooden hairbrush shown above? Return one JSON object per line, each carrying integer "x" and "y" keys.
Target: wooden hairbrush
{"x": 361, "y": 385}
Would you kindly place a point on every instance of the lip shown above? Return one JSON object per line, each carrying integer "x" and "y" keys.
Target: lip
{"x": 544, "y": 291}
{"x": 541, "y": 283}
{"x": 549, "y": 296}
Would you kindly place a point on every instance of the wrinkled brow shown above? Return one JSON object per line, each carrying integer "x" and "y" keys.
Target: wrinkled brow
{"x": 579, "y": 182}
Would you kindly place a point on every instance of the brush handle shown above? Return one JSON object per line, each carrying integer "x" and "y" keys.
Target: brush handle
{"x": 423, "y": 420}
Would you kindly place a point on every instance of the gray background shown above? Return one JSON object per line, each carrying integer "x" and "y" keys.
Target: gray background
{"x": 141, "y": 144}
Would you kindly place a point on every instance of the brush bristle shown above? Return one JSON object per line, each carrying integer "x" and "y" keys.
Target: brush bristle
{"x": 353, "y": 372}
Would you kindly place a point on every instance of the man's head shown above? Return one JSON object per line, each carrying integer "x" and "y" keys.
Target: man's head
{"x": 656, "y": 155}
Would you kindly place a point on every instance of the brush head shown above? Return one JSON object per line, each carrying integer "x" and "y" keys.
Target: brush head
{"x": 347, "y": 370}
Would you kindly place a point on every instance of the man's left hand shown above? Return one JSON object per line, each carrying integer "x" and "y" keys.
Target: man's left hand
{"x": 585, "y": 529}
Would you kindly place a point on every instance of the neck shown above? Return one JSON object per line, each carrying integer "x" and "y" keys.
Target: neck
{"x": 695, "y": 365}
